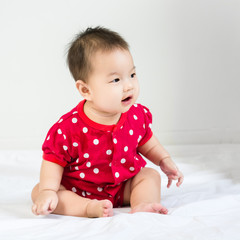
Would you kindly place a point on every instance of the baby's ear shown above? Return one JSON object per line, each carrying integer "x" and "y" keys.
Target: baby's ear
{"x": 83, "y": 89}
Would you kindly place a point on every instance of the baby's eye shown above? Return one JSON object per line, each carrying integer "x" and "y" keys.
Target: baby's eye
{"x": 133, "y": 75}
{"x": 116, "y": 80}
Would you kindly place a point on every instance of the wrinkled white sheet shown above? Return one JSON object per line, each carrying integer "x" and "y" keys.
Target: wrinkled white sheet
{"x": 206, "y": 206}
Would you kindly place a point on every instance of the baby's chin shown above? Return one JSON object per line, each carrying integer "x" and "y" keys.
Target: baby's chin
{"x": 127, "y": 108}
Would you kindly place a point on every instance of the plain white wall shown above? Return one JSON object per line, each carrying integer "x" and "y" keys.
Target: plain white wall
{"x": 187, "y": 56}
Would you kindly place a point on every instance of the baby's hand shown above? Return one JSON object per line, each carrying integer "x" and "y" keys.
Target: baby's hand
{"x": 45, "y": 203}
{"x": 171, "y": 170}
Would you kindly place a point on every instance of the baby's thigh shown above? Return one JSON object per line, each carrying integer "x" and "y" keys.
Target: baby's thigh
{"x": 127, "y": 192}
{"x": 149, "y": 174}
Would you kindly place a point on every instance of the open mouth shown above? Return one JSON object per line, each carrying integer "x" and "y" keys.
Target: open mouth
{"x": 127, "y": 99}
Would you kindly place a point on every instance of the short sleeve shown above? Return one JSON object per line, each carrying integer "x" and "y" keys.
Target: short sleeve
{"x": 147, "y": 125}
{"x": 56, "y": 147}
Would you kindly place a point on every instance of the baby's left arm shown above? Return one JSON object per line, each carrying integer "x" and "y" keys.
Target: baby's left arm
{"x": 155, "y": 152}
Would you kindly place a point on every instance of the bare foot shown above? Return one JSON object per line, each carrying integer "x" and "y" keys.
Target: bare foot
{"x": 96, "y": 208}
{"x": 150, "y": 207}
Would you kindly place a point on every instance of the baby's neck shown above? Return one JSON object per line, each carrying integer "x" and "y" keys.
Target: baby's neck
{"x": 100, "y": 117}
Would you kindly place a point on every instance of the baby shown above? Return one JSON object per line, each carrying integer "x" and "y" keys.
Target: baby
{"x": 92, "y": 156}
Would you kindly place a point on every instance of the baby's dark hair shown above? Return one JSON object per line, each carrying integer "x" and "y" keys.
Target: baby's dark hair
{"x": 86, "y": 44}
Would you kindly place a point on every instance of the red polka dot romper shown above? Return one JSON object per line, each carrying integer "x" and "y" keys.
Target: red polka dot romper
{"x": 98, "y": 159}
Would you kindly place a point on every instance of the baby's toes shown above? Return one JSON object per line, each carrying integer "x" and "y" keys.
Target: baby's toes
{"x": 107, "y": 208}
{"x": 159, "y": 208}
{"x": 164, "y": 210}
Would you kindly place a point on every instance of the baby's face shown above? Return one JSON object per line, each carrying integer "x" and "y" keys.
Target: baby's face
{"x": 113, "y": 82}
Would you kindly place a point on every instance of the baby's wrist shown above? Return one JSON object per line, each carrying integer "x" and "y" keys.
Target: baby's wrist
{"x": 47, "y": 190}
{"x": 164, "y": 159}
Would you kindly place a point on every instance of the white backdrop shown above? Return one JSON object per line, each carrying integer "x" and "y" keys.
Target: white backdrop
{"x": 187, "y": 55}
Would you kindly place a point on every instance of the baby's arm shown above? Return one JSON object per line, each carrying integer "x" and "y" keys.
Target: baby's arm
{"x": 50, "y": 178}
{"x": 155, "y": 152}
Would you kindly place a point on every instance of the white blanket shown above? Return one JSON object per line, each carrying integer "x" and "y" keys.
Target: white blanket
{"x": 206, "y": 206}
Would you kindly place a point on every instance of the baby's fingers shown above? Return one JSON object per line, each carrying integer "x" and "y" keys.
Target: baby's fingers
{"x": 34, "y": 209}
{"x": 52, "y": 206}
{"x": 180, "y": 181}
{"x": 171, "y": 177}
{"x": 169, "y": 183}
{"x": 41, "y": 209}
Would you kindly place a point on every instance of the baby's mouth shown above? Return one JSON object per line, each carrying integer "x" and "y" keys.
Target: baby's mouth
{"x": 127, "y": 99}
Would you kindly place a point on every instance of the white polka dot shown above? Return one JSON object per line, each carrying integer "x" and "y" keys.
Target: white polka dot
{"x": 75, "y": 112}
{"x": 77, "y": 160}
{"x": 135, "y": 117}
{"x": 144, "y": 125}
{"x": 82, "y": 175}
{"x": 74, "y": 189}
{"x": 83, "y": 194}
{"x": 117, "y": 174}
{"x": 125, "y": 148}
{"x": 75, "y": 144}
{"x": 136, "y": 158}
{"x": 139, "y": 138}
{"x": 76, "y": 168}
{"x": 96, "y": 141}
{"x": 88, "y": 193}
{"x": 85, "y": 130}
{"x": 109, "y": 152}
{"x": 110, "y": 164}
{"x": 88, "y": 164}
{"x": 65, "y": 147}
{"x": 86, "y": 155}
{"x": 123, "y": 160}
{"x": 59, "y": 131}
{"x": 132, "y": 169}
{"x": 131, "y": 132}
{"x": 135, "y": 105}
{"x": 64, "y": 136}
{"x": 145, "y": 110}
{"x": 60, "y": 120}
{"x": 48, "y": 138}
{"x": 96, "y": 170}
{"x": 150, "y": 125}
{"x": 99, "y": 189}
{"x": 115, "y": 140}
{"x": 121, "y": 127}
{"x": 74, "y": 120}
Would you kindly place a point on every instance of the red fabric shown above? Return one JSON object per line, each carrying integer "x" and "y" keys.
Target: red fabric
{"x": 98, "y": 159}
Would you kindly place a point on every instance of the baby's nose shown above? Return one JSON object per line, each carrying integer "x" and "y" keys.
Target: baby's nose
{"x": 128, "y": 85}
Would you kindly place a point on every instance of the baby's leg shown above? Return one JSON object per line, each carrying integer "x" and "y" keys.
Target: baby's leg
{"x": 143, "y": 192}
{"x": 71, "y": 204}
